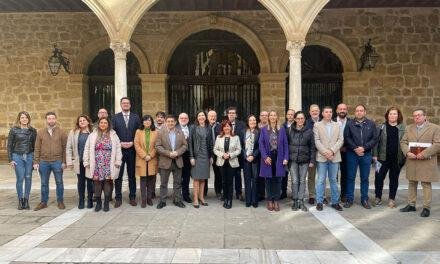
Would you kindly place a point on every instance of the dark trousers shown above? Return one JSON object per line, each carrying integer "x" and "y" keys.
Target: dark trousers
{"x": 250, "y": 177}
{"x": 343, "y": 177}
{"x": 106, "y": 185}
{"x": 186, "y": 175}
{"x": 238, "y": 181}
{"x": 81, "y": 185}
{"x": 217, "y": 178}
{"x": 273, "y": 188}
{"x": 128, "y": 158}
{"x": 394, "y": 171}
{"x": 147, "y": 187}
{"x": 228, "y": 173}
{"x": 261, "y": 188}
{"x": 284, "y": 184}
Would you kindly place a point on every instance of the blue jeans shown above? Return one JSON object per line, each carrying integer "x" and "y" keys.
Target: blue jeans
{"x": 46, "y": 167}
{"x": 329, "y": 169}
{"x": 364, "y": 163}
{"x": 23, "y": 172}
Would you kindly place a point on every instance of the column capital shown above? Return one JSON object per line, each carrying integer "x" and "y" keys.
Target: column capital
{"x": 295, "y": 47}
{"x": 120, "y": 49}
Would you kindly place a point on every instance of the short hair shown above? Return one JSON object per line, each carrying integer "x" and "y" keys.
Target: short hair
{"x": 327, "y": 107}
{"x": 290, "y": 109}
{"x": 17, "y": 121}
{"x": 299, "y": 113}
{"x": 231, "y": 108}
{"x": 222, "y": 125}
{"x": 161, "y": 113}
{"x": 399, "y": 114}
{"x": 313, "y": 105}
{"x": 147, "y": 117}
{"x": 365, "y": 108}
{"x": 88, "y": 120}
{"x": 125, "y": 98}
{"x": 420, "y": 109}
{"x": 170, "y": 116}
{"x": 51, "y": 113}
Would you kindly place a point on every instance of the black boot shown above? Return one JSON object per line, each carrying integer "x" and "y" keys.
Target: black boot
{"x": 229, "y": 204}
{"x": 106, "y": 205}
{"x": 81, "y": 203}
{"x": 98, "y": 205}
{"x": 20, "y": 204}
{"x": 90, "y": 202}
{"x": 26, "y": 204}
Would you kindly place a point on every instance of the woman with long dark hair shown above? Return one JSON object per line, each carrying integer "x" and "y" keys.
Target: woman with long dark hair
{"x": 76, "y": 143}
{"x": 102, "y": 160}
{"x": 251, "y": 157}
{"x": 21, "y": 141}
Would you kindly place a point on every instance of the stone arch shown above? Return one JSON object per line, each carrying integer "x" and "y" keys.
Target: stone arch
{"x": 90, "y": 50}
{"x": 213, "y": 22}
{"x": 338, "y": 47}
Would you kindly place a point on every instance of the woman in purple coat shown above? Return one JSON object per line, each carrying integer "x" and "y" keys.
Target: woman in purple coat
{"x": 274, "y": 157}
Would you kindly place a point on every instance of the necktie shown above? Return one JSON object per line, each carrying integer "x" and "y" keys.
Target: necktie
{"x": 126, "y": 118}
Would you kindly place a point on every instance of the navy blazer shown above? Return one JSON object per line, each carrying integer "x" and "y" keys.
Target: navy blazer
{"x": 126, "y": 134}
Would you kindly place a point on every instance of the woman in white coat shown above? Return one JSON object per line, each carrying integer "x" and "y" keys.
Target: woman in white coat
{"x": 102, "y": 160}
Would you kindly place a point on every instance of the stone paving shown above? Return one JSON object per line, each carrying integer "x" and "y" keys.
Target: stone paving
{"x": 212, "y": 234}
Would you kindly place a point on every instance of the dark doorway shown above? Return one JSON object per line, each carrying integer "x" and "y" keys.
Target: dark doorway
{"x": 322, "y": 79}
{"x": 213, "y": 69}
{"x": 102, "y": 83}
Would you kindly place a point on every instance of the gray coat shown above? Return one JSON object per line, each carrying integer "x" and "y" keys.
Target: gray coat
{"x": 194, "y": 142}
{"x": 301, "y": 145}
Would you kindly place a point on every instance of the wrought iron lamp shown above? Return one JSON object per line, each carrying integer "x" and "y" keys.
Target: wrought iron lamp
{"x": 58, "y": 59}
{"x": 369, "y": 57}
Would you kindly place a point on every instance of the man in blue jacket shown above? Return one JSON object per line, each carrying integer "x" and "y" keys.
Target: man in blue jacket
{"x": 360, "y": 136}
{"x": 125, "y": 124}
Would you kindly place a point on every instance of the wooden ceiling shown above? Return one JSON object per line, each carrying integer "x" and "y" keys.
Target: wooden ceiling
{"x": 199, "y": 5}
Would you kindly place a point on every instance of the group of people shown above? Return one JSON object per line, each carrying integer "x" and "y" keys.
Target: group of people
{"x": 267, "y": 151}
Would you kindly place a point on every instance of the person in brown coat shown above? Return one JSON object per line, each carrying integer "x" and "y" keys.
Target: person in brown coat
{"x": 421, "y": 163}
{"x": 146, "y": 158}
{"x": 170, "y": 145}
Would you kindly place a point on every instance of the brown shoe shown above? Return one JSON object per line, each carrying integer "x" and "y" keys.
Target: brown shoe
{"x": 149, "y": 202}
{"x": 366, "y": 204}
{"x": 61, "y": 206}
{"x": 133, "y": 202}
{"x": 144, "y": 203}
{"x": 118, "y": 203}
{"x": 40, "y": 206}
{"x": 270, "y": 205}
{"x": 276, "y": 207}
{"x": 311, "y": 200}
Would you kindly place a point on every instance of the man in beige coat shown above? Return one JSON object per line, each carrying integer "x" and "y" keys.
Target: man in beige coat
{"x": 421, "y": 164}
{"x": 170, "y": 145}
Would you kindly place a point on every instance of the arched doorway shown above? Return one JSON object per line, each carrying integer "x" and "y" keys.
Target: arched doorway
{"x": 213, "y": 69}
{"x": 322, "y": 79}
{"x": 101, "y": 73}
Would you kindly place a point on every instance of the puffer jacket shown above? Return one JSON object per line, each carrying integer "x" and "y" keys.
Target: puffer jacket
{"x": 21, "y": 141}
{"x": 301, "y": 145}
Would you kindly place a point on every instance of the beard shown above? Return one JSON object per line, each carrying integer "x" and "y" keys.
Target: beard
{"x": 342, "y": 114}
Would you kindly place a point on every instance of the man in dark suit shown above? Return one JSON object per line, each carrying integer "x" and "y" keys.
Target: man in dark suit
{"x": 215, "y": 129}
{"x": 186, "y": 170}
{"x": 237, "y": 128}
{"x": 125, "y": 124}
{"x": 170, "y": 145}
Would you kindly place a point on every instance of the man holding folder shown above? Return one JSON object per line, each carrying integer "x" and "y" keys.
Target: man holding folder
{"x": 420, "y": 144}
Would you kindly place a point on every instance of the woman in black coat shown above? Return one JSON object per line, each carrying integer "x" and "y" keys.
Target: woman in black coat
{"x": 251, "y": 158}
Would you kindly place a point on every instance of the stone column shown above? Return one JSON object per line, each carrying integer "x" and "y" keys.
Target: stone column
{"x": 153, "y": 93}
{"x": 295, "y": 97}
{"x": 120, "y": 50}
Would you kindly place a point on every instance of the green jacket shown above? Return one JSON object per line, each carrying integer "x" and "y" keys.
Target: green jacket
{"x": 380, "y": 150}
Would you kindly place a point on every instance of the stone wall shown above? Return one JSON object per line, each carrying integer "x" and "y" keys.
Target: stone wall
{"x": 407, "y": 75}
{"x": 408, "y": 42}
{"x": 26, "y": 41}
